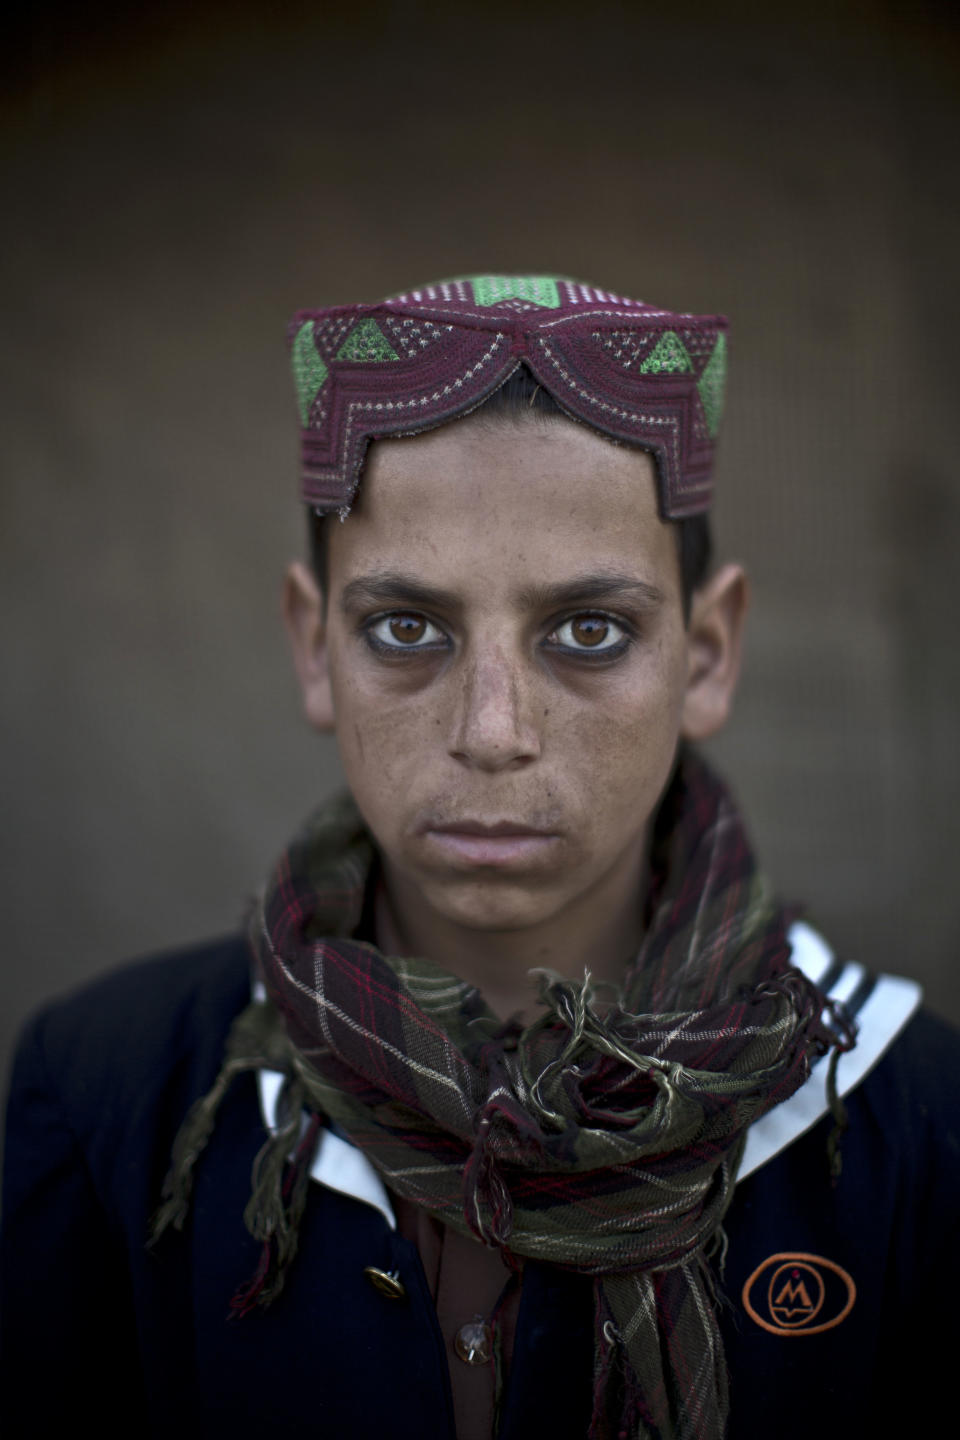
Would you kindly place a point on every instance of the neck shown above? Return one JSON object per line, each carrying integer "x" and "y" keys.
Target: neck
{"x": 599, "y": 933}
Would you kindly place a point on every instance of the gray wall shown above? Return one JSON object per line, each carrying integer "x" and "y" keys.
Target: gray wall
{"x": 182, "y": 184}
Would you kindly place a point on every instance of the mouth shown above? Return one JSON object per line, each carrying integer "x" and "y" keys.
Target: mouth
{"x": 498, "y": 843}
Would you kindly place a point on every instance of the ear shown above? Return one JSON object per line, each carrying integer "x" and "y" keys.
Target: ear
{"x": 305, "y": 619}
{"x": 714, "y": 642}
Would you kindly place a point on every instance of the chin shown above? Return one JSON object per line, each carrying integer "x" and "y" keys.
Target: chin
{"x": 493, "y": 906}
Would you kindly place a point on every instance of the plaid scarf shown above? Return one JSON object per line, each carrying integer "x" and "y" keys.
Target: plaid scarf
{"x": 601, "y": 1139}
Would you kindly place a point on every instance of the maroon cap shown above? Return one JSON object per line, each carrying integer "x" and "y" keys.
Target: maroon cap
{"x": 643, "y": 375}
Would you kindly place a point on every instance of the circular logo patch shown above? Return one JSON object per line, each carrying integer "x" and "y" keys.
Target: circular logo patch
{"x": 798, "y": 1294}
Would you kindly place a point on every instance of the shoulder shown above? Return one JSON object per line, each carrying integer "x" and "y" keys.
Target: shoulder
{"x": 914, "y": 1088}
{"x": 159, "y": 999}
{"x": 115, "y": 1038}
{"x": 926, "y": 1051}
{"x": 899, "y": 1140}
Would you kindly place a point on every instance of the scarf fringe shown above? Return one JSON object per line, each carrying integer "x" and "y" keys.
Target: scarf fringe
{"x": 606, "y": 1354}
{"x": 619, "y": 1410}
{"x": 191, "y": 1140}
{"x": 279, "y": 1185}
{"x": 844, "y": 1038}
{"x": 251, "y": 1045}
{"x": 275, "y": 1208}
{"x": 487, "y": 1206}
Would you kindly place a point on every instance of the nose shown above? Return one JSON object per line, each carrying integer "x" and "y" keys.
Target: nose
{"x": 493, "y": 727}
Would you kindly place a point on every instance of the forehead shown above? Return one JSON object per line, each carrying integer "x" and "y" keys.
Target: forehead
{"x": 481, "y": 500}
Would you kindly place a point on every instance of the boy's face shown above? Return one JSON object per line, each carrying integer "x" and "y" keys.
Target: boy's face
{"x": 504, "y": 659}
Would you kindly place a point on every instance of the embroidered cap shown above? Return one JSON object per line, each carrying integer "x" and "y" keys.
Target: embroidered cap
{"x": 638, "y": 373}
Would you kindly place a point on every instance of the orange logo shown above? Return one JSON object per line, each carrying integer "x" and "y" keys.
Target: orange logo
{"x": 798, "y": 1294}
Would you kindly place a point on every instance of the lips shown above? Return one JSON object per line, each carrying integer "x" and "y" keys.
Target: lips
{"x": 498, "y": 843}
{"x": 487, "y": 828}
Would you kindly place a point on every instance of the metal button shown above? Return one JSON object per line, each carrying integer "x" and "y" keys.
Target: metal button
{"x": 473, "y": 1342}
{"x": 387, "y": 1282}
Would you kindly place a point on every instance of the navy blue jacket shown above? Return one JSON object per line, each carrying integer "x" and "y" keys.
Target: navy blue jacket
{"x": 99, "y": 1331}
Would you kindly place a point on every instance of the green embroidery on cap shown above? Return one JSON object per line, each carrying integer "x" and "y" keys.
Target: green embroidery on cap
{"x": 367, "y": 341}
{"x": 668, "y": 357}
{"x": 493, "y": 289}
{"x": 309, "y": 371}
{"x": 711, "y": 385}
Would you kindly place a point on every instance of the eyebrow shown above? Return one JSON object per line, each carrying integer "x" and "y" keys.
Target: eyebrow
{"x": 588, "y": 588}
{"x": 393, "y": 587}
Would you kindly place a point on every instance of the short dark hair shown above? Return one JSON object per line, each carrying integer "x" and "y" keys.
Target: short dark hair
{"x": 522, "y": 395}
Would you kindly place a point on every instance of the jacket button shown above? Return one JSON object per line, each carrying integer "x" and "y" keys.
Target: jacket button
{"x": 473, "y": 1342}
{"x": 387, "y": 1282}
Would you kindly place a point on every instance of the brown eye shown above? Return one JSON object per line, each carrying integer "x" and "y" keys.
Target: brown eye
{"x": 595, "y": 634}
{"x": 407, "y": 629}
{"x": 404, "y": 630}
{"x": 589, "y": 630}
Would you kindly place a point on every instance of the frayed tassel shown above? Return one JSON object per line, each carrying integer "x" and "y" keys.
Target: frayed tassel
{"x": 846, "y": 1038}
{"x": 840, "y": 1121}
{"x": 247, "y": 1297}
{"x": 487, "y": 1206}
{"x": 256, "y": 1041}
{"x": 614, "y": 1414}
{"x": 190, "y": 1142}
{"x": 279, "y": 1187}
{"x": 604, "y": 1361}
{"x": 277, "y": 1202}
{"x": 716, "y": 1251}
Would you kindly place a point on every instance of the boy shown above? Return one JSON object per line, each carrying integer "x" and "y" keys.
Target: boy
{"x": 524, "y": 1012}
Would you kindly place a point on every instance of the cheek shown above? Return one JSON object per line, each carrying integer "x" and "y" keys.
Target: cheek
{"x": 622, "y": 749}
{"x": 382, "y": 738}
{"x": 621, "y": 756}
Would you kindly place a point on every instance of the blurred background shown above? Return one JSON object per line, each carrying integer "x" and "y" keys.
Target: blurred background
{"x": 178, "y": 179}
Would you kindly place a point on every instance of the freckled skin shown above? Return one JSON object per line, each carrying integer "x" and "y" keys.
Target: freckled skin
{"x": 495, "y": 720}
